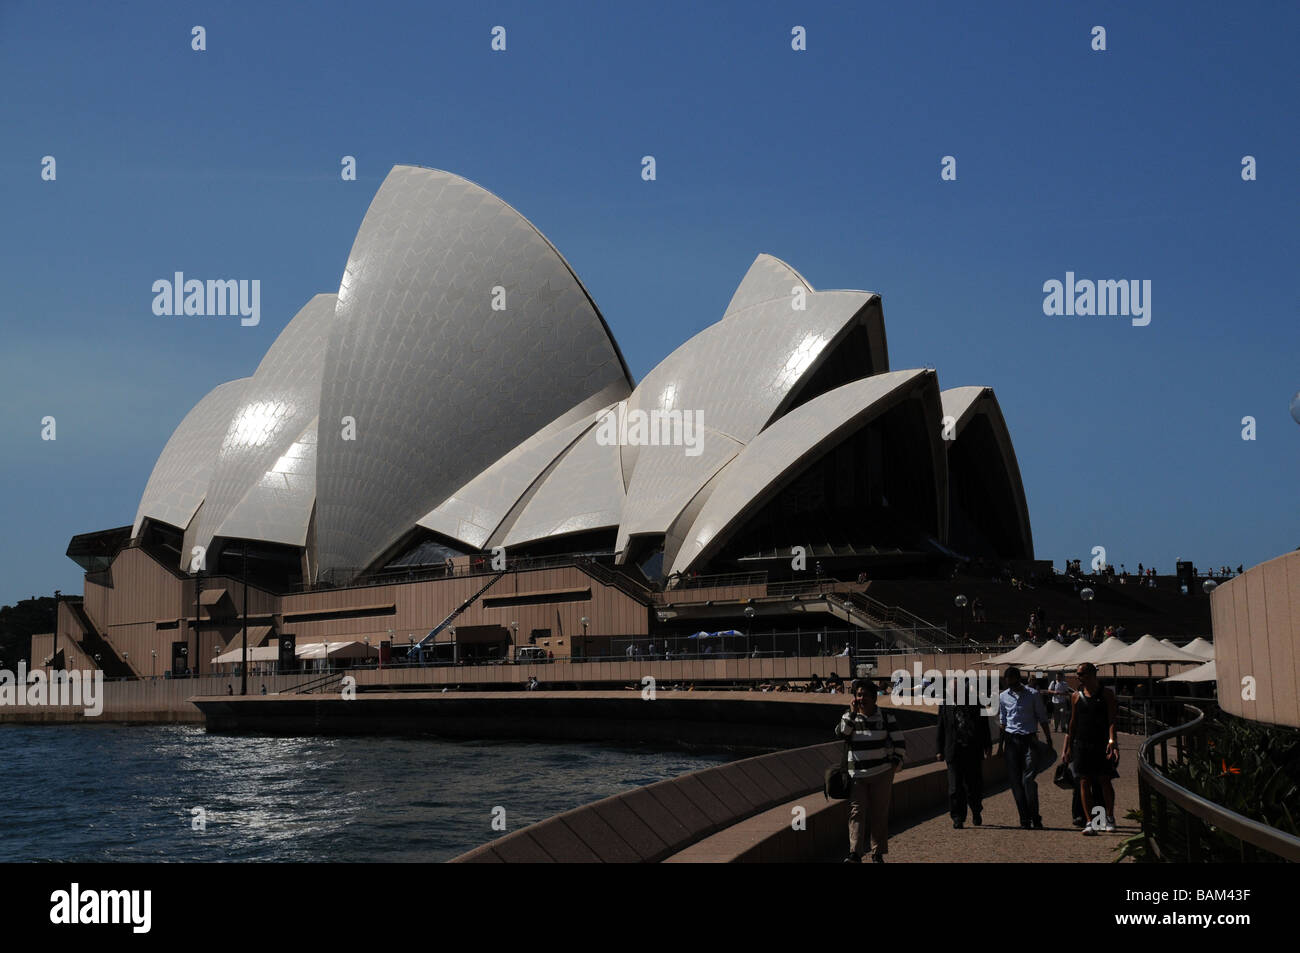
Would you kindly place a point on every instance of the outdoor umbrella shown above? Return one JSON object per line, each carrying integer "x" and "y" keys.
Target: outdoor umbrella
{"x": 1201, "y": 648}
{"x": 1103, "y": 654}
{"x": 1014, "y": 657}
{"x": 1150, "y": 649}
{"x": 1147, "y": 649}
{"x": 1045, "y": 656}
{"x": 1202, "y": 673}
{"x": 1076, "y": 652}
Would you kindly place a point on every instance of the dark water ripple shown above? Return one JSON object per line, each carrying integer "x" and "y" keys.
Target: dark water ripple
{"x": 114, "y": 793}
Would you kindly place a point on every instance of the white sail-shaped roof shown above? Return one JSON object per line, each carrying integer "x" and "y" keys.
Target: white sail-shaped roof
{"x": 963, "y": 405}
{"x": 461, "y": 380}
{"x": 180, "y": 478}
{"x": 473, "y": 512}
{"x": 791, "y": 444}
{"x": 440, "y": 385}
{"x": 739, "y": 374}
{"x": 583, "y": 491}
{"x": 263, "y": 485}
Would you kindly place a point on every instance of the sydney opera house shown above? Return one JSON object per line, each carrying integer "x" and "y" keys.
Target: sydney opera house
{"x": 451, "y": 450}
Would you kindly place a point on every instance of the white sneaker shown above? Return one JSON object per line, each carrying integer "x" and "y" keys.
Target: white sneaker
{"x": 1110, "y": 827}
{"x": 1089, "y": 831}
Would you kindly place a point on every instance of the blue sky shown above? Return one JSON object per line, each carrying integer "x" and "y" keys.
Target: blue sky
{"x": 1117, "y": 164}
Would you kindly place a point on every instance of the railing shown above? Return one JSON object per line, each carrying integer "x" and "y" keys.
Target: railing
{"x": 898, "y": 620}
{"x": 460, "y": 608}
{"x": 96, "y": 646}
{"x": 358, "y": 578}
{"x": 323, "y": 681}
{"x": 811, "y": 643}
{"x": 620, "y": 581}
{"x": 1177, "y": 824}
{"x": 805, "y": 588}
{"x": 717, "y": 581}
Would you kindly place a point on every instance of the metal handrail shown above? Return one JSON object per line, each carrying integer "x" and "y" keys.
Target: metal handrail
{"x": 618, "y": 580}
{"x": 1243, "y": 828}
{"x": 311, "y": 685}
{"x": 716, "y": 581}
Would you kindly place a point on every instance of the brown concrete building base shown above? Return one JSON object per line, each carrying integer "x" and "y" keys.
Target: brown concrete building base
{"x": 155, "y": 700}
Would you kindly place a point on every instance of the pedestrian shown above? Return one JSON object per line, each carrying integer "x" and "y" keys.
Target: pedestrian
{"x": 1061, "y": 693}
{"x": 963, "y": 741}
{"x": 1021, "y": 712}
{"x": 876, "y": 751}
{"x": 1091, "y": 747}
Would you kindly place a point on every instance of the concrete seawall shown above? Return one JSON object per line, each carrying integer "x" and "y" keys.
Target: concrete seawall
{"x": 738, "y": 812}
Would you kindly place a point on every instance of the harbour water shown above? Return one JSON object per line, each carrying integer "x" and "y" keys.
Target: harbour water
{"x": 108, "y": 793}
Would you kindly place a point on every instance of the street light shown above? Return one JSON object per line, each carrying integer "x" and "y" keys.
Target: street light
{"x": 1087, "y": 595}
{"x": 153, "y": 669}
{"x": 1209, "y": 586}
{"x": 749, "y": 615}
{"x": 960, "y": 603}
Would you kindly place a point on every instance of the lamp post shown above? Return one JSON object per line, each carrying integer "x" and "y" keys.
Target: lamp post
{"x": 1087, "y": 595}
{"x": 749, "y": 617}
{"x": 153, "y": 666}
{"x": 514, "y": 636}
{"x": 585, "y": 622}
{"x": 960, "y": 603}
{"x": 1209, "y": 586}
{"x": 243, "y": 649}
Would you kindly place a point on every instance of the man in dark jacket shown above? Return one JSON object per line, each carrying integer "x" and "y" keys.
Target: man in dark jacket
{"x": 963, "y": 741}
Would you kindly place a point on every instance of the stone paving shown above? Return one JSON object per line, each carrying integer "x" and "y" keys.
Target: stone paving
{"x": 1002, "y": 840}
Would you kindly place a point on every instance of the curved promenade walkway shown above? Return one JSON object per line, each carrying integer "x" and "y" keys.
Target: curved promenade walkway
{"x": 1003, "y": 840}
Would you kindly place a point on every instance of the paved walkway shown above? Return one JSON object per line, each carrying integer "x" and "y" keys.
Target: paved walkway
{"x": 1002, "y": 840}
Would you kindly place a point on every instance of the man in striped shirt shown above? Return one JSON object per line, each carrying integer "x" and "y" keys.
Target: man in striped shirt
{"x": 875, "y": 753}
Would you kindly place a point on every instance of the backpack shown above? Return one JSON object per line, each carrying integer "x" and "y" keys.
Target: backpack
{"x": 965, "y": 727}
{"x": 837, "y": 783}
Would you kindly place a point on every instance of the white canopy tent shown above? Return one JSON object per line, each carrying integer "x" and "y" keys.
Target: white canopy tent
{"x": 1202, "y": 647}
{"x": 345, "y": 649}
{"x": 258, "y": 653}
{"x": 348, "y": 649}
{"x": 1102, "y": 654}
{"x": 1202, "y": 673}
{"x": 1045, "y": 655}
{"x": 1077, "y": 651}
{"x": 1145, "y": 649}
{"x": 1015, "y": 656}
